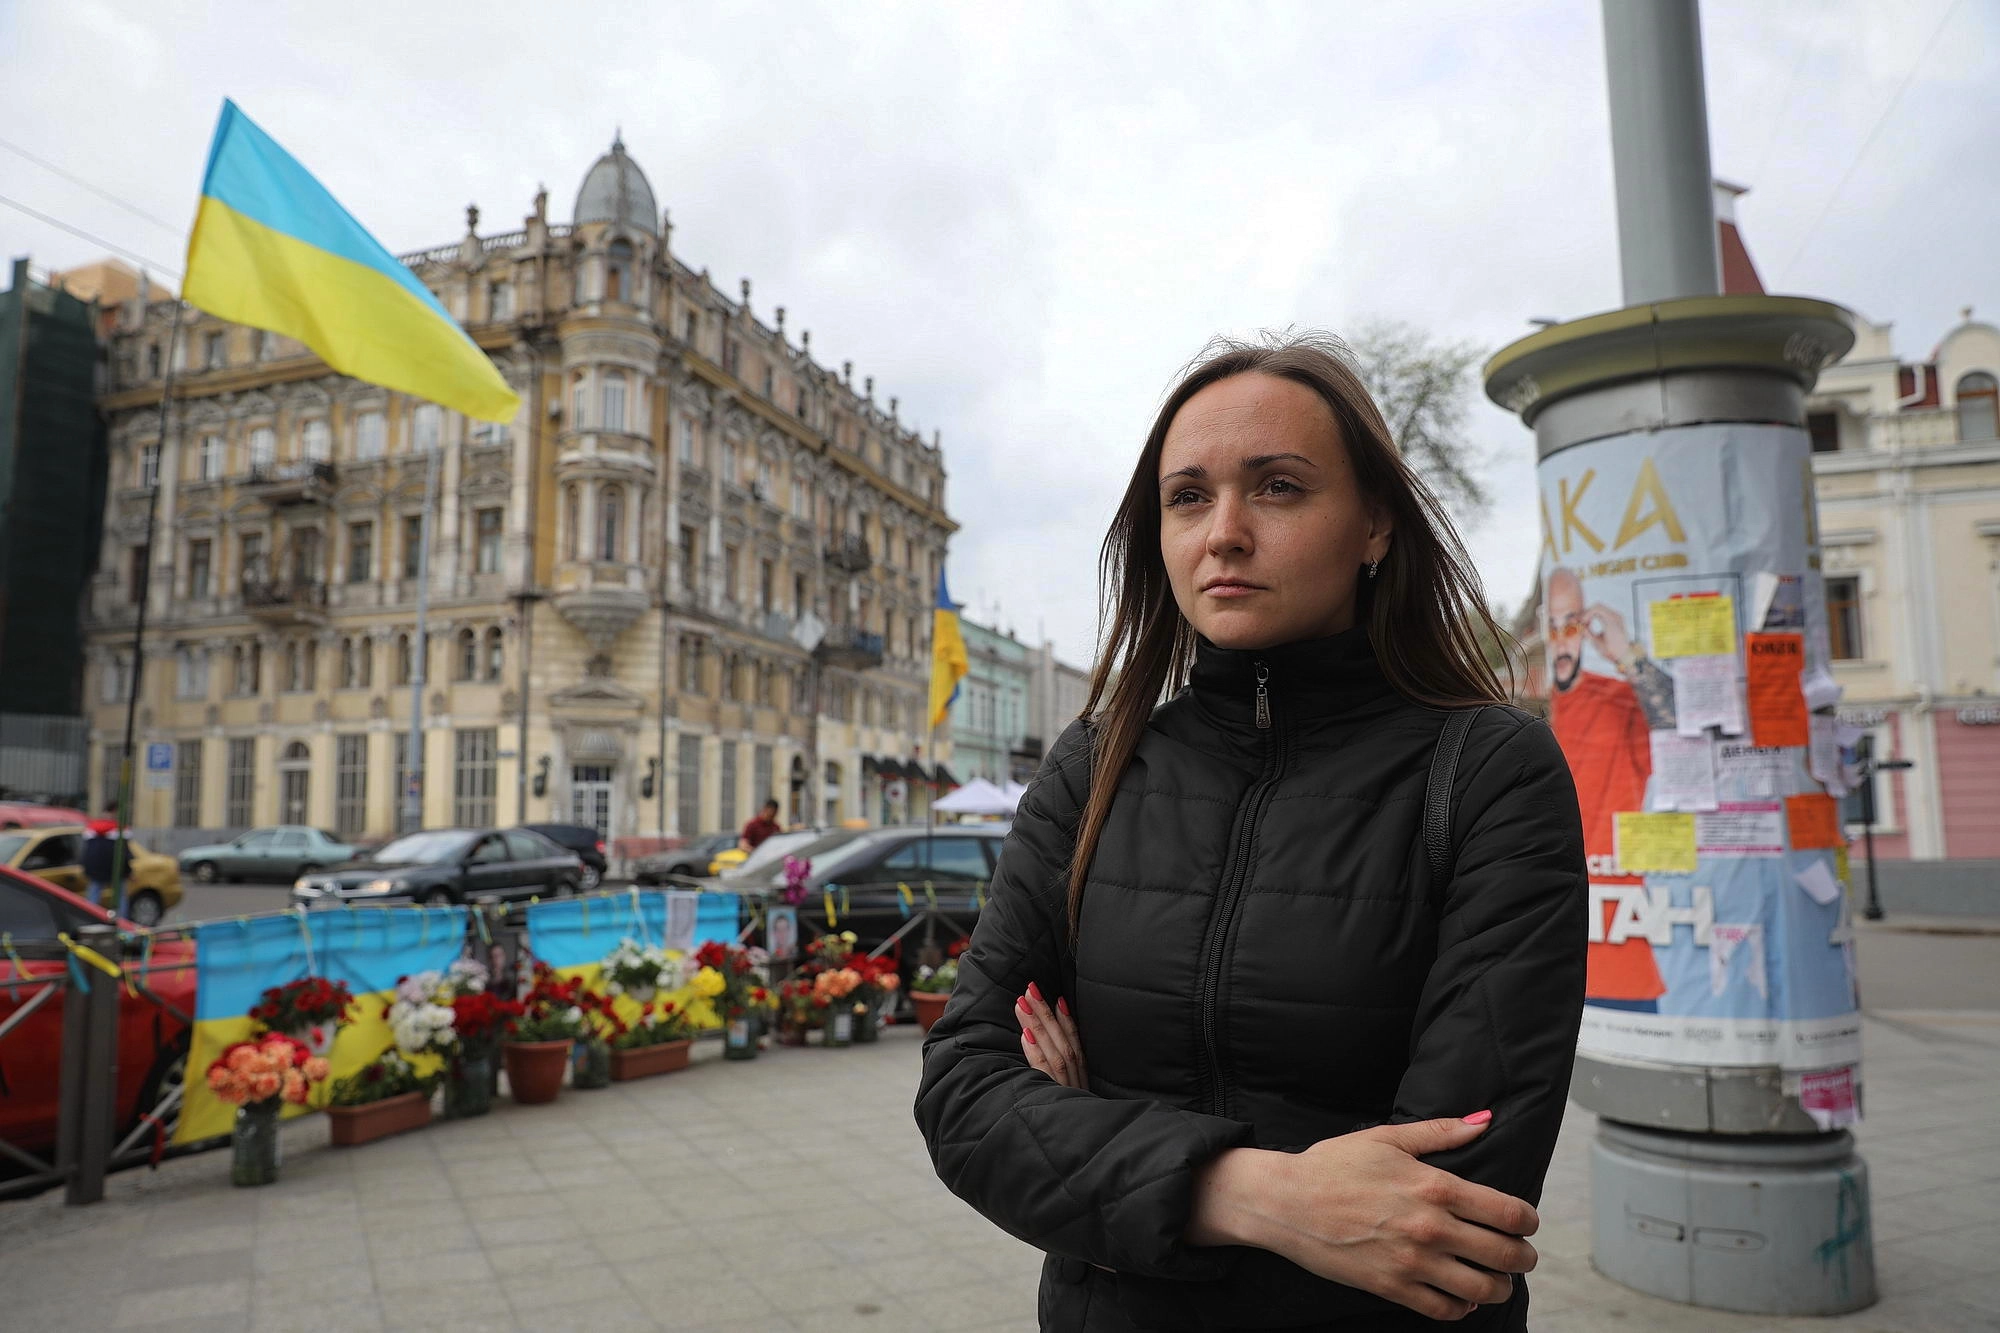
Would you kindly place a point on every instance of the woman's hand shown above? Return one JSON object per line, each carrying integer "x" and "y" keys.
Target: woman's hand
{"x": 1361, "y": 1210}
{"x": 1048, "y": 1038}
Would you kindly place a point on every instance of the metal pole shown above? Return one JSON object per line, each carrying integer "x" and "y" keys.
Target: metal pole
{"x": 98, "y": 1104}
{"x": 525, "y": 600}
{"x": 1874, "y": 909}
{"x": 145, "y": 595}
{"x": 1659, "y": 150}
{"x": 413, "y": 803}
{"x": 812, "y": 742}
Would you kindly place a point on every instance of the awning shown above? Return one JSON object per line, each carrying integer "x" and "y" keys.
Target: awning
{"x": 869, "y": 764}
{"x": 890, "y": 768}
{"x": 943, "y": 777}
{"x": 915, "y": 771}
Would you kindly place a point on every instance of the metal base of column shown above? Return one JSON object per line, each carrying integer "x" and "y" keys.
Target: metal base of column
{"x": 1761, "y": 1225}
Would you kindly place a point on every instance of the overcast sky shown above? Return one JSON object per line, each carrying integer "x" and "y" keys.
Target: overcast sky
{"x": 1022, "y": 219}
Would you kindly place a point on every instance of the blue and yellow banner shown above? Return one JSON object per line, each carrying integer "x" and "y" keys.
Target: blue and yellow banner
{"x": 949, "y": 662}
{"x": 369, "y": 948}
{"x": 273, "y": 249}
{"x": 573, "y": 935}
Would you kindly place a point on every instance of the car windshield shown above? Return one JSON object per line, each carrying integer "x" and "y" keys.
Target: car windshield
{"x": 11, "y": 845}
{"x": 775, "y": 849}
{"x": 842, "y": 856}
{"x": 422, "y": 848}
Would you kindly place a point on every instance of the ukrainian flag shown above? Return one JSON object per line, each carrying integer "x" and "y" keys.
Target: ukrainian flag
{"x": 572, "y": 935}
{"x": 948, "y": 660}
{"x": 272, "y": 249}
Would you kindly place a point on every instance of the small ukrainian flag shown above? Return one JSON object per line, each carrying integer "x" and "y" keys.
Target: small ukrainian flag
{"x": 949, "y": 662}
{"x": 272, "y": 249}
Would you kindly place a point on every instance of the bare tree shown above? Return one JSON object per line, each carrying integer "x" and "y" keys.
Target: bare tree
{"x": 1422, "y": 387}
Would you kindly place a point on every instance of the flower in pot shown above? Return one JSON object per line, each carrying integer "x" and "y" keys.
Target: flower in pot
{"x": 257, "y": 1077}
{"x": 879, "y": 983}
{"x": 658, "y": 1043}
{"x": 537, "y": 1044}
{"x": 386, "y": 1096}
{"x": 838, "y": 987}
{"x": 641, "y": 971}
{"x": 310, "y": 1010}
{"x": 930, "y": 990}
{"x": 731, "y": 978}
{"x": 591, "y": 1057}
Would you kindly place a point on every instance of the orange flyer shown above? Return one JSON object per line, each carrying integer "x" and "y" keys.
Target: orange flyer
{"x": 1773, "y": 663}
{"x": 1814, "y": 821}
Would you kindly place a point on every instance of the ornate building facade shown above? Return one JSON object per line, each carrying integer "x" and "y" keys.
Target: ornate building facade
{"x": 695, "y": 572}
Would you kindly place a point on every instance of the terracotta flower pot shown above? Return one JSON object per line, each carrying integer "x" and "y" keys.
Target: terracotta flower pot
{"x": 352, "y": 1126}
{"x": 535, "y": 1069}
{"x": 645, "y": 1061}
{"x": 929, "y": 1005}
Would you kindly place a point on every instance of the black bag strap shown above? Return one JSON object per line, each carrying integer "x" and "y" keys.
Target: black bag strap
{"x": 1437, "y": 796}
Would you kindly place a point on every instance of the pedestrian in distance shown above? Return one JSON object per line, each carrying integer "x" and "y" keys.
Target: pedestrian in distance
{"x": 1269, "y": 1019}
{"x": 105, "y": 859}
{"x": 763, "y": 826}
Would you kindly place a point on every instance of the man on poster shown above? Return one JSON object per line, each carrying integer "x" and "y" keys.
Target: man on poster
{"x": 1603, "y": 724}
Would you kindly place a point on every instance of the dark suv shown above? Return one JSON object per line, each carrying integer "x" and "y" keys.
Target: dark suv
{"x": 582, "y": 839}
{"x": 862, "y": 875}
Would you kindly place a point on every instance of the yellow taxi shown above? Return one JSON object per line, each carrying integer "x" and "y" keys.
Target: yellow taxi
{"x": 56, "y": 855}
{"x": 727, "y": 859}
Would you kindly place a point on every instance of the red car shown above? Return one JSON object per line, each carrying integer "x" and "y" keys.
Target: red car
{"x": 152, "y": 1039}
{"x": 26, "y": 814}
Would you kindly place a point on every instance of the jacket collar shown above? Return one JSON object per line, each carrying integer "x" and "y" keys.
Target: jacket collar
{"x": 1312, "y": 678}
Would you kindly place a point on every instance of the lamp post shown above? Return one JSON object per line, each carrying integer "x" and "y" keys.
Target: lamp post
{"x": 1868, "y": 771}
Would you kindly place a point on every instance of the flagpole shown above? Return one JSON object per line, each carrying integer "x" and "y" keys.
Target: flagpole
{"x": 145, "y": 595}
{"x": 413, "y": 782}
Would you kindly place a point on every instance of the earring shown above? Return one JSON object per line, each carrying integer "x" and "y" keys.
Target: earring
{"x": 1371, "y": 567}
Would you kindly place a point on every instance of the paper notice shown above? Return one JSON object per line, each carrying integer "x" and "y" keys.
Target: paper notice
{"x": 1700, "y": 625}
{"x": 1708, "y": 692}
{"x": 1655, "y": 842}
{"x": 1741, "y": 828}
{"x": 1777, "y": 703}
{"x": 1828, "y": 1096}
{"x": 1683, "y": 772}
{"x": 683, "y": 905}
{"x": 1760, "y": 770}
{"x": 1815, "y": 822}
{"x": 1820, "y": 688}
{"x": 1823, "y": 755}
{"x": 1724, "y": 942}
{"x": 1818, "y": 882}
{"x": 1763, "y": 587}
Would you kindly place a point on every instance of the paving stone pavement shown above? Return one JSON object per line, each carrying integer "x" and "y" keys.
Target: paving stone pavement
{"x": 792, "y": 1193}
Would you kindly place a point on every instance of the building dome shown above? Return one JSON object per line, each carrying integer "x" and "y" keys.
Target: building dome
{"x": 615, "y": 190}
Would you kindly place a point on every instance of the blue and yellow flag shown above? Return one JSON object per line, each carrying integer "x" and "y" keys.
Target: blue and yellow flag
{"x": 948, "y": 660}
{"x": 272, "y": 249}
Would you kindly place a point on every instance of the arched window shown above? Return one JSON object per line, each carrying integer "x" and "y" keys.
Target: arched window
{"x": 316, "y": 441}
{"x": 611, "y": 523}
{"x": 572, "y": 521}
{"x": 579, "y": 400}
{"x": 405, "y": 663}
{"x": 294, "y": 778}
{"x": 496, "y": 655}
{"x": 614, "y": 400}
{"x": 1978, "y": 406}
{"x": 618, "y": 271}
{"x": 468, "y": 655}
{"x": 263, "y": 449}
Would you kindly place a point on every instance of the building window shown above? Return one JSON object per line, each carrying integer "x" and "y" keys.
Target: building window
{"x": 802, "y": 692}
{"x": 413, "y": 546}
{"x": 690, "y": 566}
{"x": 572, "y": 520}
{"x": 731, "y": 558}
{"x": 251, "y": 558}
{"x": 799, "y": 509}
{"x": 725, "y": 813}
{"x": 731, "y": 354}
{"x": 611, "y": 523}
{"x": 731, "y": 468}
{"x": 424, "y": 428}
{"x": 767, "y": 691}
{"x": 688, "y": 813}
{"x": 360, "y": 552}
{"x": 401, "y": 747}
{"x": 307, "y": 567}
{"x": 153, "y": 361}
{"x": 316, "y": 441}
{"x": 475, "y": 778}
{"x": 693, "y": 665}
{"x": 215, "y": 352}
{"x": 187, "y": 784}
{"x": 486, "y": 525}
{"x": 241, "y": 785}
{"x": 614, "y": 401}
{"x": 468, "y": 655}
{"x": 618, "y": 271}
{"x": 1978, "y": 406}
{"x": 689, "y": 326}
{"x": 496, "y": 653}
{"x": 732, "y": 677}
{"x": 404, "y": 662}
{"x": 149, "y": 466}
{"x": 350, "y": 786}
{"x": 798, "y": 594}
{"x": 579, "y": 397}
{"x": 370, "y": 435}
{"x": 200, "y": 559}
{"x": 242, "y": 670}
{"x": 800, "y": 411}
{"x": 499, "y": 300}
{"x": 1843, "y": 616}
{"x": 687, "y": 441}
{"x": 263, "y": 449}
{"x": 760, "y": 776}
{"x": 208, "y": 458}
{"x": 191, "y": 673}
{"x": 767, "y": 575}
{"x": 301, "y": 665}
{"x": 135, "y": 572}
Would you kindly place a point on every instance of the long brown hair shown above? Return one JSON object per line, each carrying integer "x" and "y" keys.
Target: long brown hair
{"x": 1424, "y": 611}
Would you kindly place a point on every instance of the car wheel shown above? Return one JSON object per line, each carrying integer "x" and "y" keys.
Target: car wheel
{"x": 564, "y": 888}
{"x": 145, "y": 909}
{"x": 167, "y": 1076}
{"x": 205, "y": 872}
{"x": 590, "y": 879}
{"x": 438, "y": 898}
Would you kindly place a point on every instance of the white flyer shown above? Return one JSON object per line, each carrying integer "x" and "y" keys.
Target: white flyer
{"x": 1820, "y": 688}
{"x": 1741, "y": 828}
{"x": 1823, "y": 754}
{"x": 1818, "y": 882}
{"x": 1708, "y": 692}
{"x": 1723, "y": 943}
{"x": 1683, "y": 772}
{"x": 1759, "y": 770}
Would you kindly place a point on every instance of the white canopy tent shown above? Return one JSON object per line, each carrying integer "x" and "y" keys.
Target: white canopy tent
{"x": 977, "y": 797}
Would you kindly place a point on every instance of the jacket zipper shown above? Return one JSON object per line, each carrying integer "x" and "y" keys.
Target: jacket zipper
{"x": 1229, "y": 895}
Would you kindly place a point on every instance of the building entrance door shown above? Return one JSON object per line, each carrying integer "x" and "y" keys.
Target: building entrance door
{"x": 590, "y": 796}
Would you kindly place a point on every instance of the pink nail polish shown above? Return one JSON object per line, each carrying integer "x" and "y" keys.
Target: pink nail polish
{"x": 1034, "y": 990}
{"x": 1478, "y": 1117}
{"x": 1063, "y": 1004}
{"x": 1023, "y": 1005}
{"x": 1028, "y": 1036}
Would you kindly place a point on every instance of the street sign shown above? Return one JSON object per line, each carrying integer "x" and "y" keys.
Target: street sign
{"x": 159, "y": 765}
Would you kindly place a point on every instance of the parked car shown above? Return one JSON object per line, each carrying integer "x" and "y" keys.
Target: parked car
{"x": 582, "y": 839}
{"x": 152, "y": 1039}
{"x": 152, "y": 885}
{"x": 30, "y": 814}
{"x": 690, "y": 860}
{"x": 452, "y": 865}
{"x": 267, "y": 855}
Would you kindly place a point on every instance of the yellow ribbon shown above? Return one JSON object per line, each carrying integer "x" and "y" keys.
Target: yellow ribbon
{"x": 20, "y": 968}
{"x": 909, "y": 899}
{"x": 92, "y": 956}
{"x": 832, "y": 920}
{"x": 979, "y": 893}
{"x": 930, "y": 895}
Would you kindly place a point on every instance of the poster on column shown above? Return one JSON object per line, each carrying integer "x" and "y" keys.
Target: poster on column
{"x": 1686, "y": 546}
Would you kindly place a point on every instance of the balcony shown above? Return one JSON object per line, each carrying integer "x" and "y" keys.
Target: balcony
{"x": 293, "y": 602}
{"x": 773, "y": 625}
{"x": 304, "y": 482}
{"x": 849, "y": 554}
{"x": 849, "y": 648}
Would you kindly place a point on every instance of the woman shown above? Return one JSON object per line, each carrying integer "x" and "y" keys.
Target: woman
{"x": 1227, "y": 903}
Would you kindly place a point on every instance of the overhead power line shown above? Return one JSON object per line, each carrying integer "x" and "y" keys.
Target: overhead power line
{"x": 97, "y": 190}
{"x": 81, "y": 234}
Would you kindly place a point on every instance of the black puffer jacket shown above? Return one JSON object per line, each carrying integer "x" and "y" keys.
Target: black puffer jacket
{"x": 1264, "y": 962}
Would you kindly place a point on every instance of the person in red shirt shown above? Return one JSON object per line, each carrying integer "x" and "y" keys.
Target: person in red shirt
{"x": 1602, "y": 724}
{"x": 763, "y": 826}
